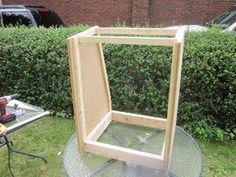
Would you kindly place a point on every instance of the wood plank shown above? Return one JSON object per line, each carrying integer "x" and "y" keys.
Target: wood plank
{"x": 138, "y": 31}
{"x": 124, "y": 154}
{"x": 128, "y": 40}
{"x": 173, "y": 102}
{"x": 180, "y": 35}
{"x": 100, "y": 127}
{"x": 95, "y": 96}
{"x": 89, "y": 32}
{"x": 76, "y": 87}
{"x": 137, "y": 119}
{"x": 105, "y": 77}
{"x": 171, "y": 116}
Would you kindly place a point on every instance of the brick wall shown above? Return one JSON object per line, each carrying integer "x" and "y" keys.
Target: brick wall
{"x": 155, "y": 12}
{"x": 177, "y": 12}
{"x": 140, "y": 11}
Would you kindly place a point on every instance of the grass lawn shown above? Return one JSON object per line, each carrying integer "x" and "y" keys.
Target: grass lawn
{"x": 220, "y": 159}
{"x": 49, "y": 136}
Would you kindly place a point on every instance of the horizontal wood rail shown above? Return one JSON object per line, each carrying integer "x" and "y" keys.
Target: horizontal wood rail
{"x": 124, "y": 154}
{"x": 137, "y": 31}
{"x": 137, "y": 119}
{"x": 157, "y": 41}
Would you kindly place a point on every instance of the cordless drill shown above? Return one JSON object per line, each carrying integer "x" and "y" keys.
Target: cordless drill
{"x": 6, "y": 116}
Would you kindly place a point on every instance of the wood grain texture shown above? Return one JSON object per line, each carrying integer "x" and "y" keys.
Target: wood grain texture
{"x": 137, "y": 119}
{"x": 95, "y": 96}
{"x": 133, "y": 156}
{"x": 137, "y": 31}
{"x": 157, "y": 41}
{"x": 173, "y": 99}
{"x": 76, "y": 87}
{"x": 100, "y": 127}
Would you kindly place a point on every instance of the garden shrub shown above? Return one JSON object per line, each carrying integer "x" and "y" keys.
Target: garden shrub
{"x": 139, "y": 79}
{"x": 209, "y": 81}
{"x": 34, "y": 63}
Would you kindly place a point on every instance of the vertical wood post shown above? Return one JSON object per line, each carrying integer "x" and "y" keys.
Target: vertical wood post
{"x": 76, "y": 87}
{"x": 173, "y": 103}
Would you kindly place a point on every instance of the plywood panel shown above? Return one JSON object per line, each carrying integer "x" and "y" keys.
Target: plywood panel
{"x": 94, "y": 87}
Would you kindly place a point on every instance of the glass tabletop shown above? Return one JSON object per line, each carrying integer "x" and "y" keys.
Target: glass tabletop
{"x": 186, "y": 156}
{"x": 25, "y": 114}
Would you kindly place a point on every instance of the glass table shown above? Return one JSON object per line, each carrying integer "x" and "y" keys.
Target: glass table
{"x": 25, "y": 114}
{"x": 186, "y": 156}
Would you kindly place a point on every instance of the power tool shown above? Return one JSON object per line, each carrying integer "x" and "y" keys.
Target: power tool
{"x": 6, "y": 116}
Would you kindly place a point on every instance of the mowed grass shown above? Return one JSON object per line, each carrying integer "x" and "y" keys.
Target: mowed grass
{"x": 220, "y": 159}
{"x": 46, "y": 137}
{"x": 49, "y": 136}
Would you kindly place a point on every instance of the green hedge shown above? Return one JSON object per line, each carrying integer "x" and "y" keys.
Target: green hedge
{"x": 139, "y": 78}
{"x": 208, "y": 100}
{"x": 34, "y": 64}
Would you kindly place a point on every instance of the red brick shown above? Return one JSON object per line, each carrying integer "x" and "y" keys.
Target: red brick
{"x": 156, "y": 12}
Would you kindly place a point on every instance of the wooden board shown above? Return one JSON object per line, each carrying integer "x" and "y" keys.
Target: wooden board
{"x": 76, "y": 87}
{"x": 124, "y": 154}
{"x": 173, "y": 101}
{"x": 95, "y": 96}
{"x": 137, "y": 31}
{"x": 137, "y": 119}
{"x": 100, "y": 127}
{"x": 91, "y": 94}
{"x": 158, "y": 41}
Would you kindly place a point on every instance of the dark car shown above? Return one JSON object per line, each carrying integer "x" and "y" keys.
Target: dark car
{"x": 12, "y": 15}
{"x": 226, "y": 19}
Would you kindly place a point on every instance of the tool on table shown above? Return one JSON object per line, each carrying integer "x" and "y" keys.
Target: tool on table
{"x": 4, "y": 115}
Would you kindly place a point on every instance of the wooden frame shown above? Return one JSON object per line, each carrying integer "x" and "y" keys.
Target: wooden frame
{"x": 92, "y": 107}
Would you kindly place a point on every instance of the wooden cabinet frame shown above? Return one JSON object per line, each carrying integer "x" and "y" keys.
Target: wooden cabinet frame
{"x": 91, "y": 95}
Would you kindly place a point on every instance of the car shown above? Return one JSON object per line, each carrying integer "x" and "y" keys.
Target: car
{"x": 232, "y": 27}
{"x": 191, "y": 28}
{"x": 226, "y": 21}
{"x": 12, "y": 15}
